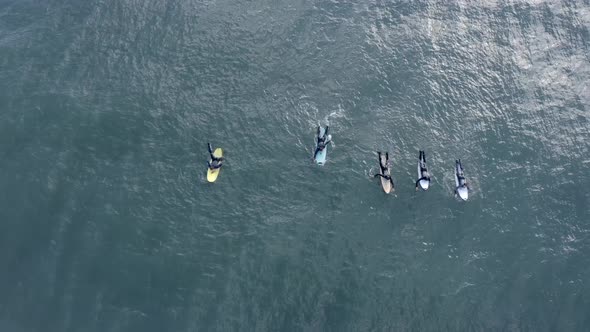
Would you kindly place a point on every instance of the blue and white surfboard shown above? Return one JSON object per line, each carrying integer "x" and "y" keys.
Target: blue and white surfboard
{"x": 320, "y": 157}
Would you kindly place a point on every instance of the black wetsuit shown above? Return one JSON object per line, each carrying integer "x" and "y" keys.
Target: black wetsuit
{"x": 423, "y": 169}
{"x": 215, "y": 162}
{"x": 321, "y": 141}
{"x": 384, "y": 168}
{"x": 462, "y": 182}
{"x": 460, "y": 177}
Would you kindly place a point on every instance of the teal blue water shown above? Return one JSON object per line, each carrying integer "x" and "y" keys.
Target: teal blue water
{"x": 107, "y": 222}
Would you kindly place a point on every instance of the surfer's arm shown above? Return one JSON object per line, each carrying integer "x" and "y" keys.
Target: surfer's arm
{"x": 417, "y": 184}
{"x": 315, "y": 153}
{"x": 209, "y": 148}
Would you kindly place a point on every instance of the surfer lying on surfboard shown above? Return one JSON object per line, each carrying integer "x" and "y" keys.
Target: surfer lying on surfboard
{"x": 215, "y": 162}
{"x": 462, "y": 187}
{"x": 424, "y": 180}
{"x": 385, "y": 168}
{"x": 323, "y": 141}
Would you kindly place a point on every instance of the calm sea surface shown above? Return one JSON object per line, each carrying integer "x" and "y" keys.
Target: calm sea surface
{"x": 107, "y": 222}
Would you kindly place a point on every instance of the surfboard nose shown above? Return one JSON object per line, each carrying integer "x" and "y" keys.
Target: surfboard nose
{"x": 463, "y": 193}
{"x": 424, "y": 184}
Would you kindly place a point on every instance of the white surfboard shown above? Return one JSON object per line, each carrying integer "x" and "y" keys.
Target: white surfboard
{"x": 424, "y": 184}
{"x": 385, "y": 184}
{"x": 463, "y": 192}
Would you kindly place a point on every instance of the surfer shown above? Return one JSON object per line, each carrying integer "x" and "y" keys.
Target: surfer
{"x": 322, "y": 141}
{"x": 461, "y": 182}
{"x": 423, "y": 172}
{"x": 385, "y": 168}
{"x": 215, "y": 162}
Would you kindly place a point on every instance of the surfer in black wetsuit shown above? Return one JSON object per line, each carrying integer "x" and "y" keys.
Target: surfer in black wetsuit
{"x": 460, "y": 176}
{"x": 423, "y": 171}
{"x": 322, "y": 141}
{"x": 384, "y": 168}
{"x": 215, "y": 162}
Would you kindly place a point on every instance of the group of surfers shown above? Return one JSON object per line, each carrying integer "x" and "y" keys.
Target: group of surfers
{"x": 423, "y": 182}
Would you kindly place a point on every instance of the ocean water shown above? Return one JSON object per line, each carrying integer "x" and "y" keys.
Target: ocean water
{"x": 107, "y": 222}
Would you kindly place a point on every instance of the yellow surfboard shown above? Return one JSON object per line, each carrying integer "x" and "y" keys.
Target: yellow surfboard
{"x": 213, "y": 173}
